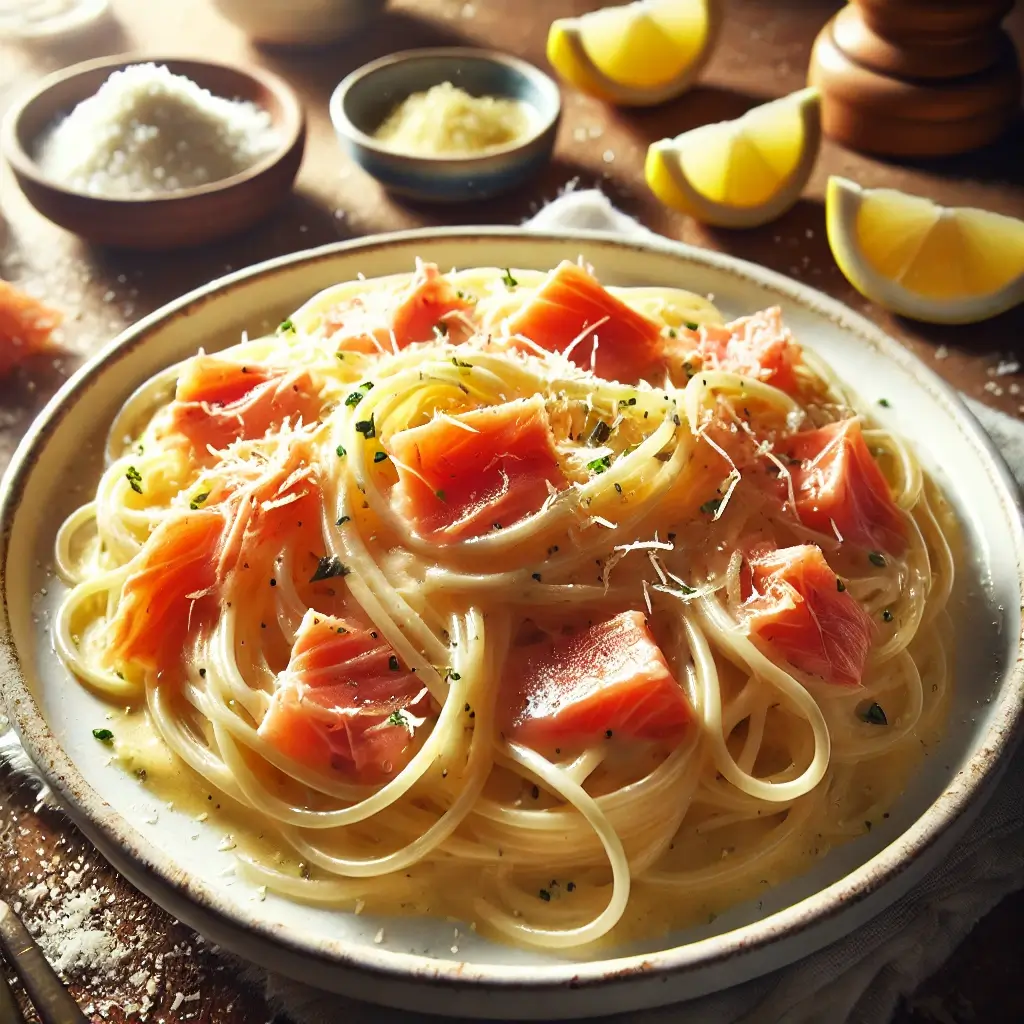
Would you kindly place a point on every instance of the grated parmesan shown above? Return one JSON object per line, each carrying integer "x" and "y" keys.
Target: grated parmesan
{"x": 147, "y": 132}
{"x": 448, "y": 121}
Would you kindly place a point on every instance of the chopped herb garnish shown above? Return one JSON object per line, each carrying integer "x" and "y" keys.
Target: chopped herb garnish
{"x": 441, "y": 329}
{"x": 626, "y": 401}
{"x": 545, "y": 895}
{"x": 141, "y": 774}
{"x": 598, "y": 466}
{"x": 198, "y": 500}
{"x": 691, "y": 326}
{"x": 608, "y": 733}
{"x": 379, "y": 456}
{"x": 673, "y": 333}
{"x": 599, "y": 434}
{"x": 711, "y": 507}
{"x": 340, "y": 451}
{"x": 887, "y": 615}
{"x": 876, "y": 558}
{"x": 354, "y": 398}
{"x": 134, "y": 478}
{"x": 284, "y": 326}
{"x": 508, "y": 280}
{"x": 460, "y": 364}
{"x": 396, "y": 718}
{"x": 328, "y": 566}
{"x": 393, "y": 664}
{"x": 874, "y": 715}
{"x": 343, "y": 520}
{"x": 884, "y": 403}
{"x": 450, "y": 673}
{"x": 103, "y": 735}
{"x": 440, "y": 495}
{"x": 366, "y": 428}
{"x": 367, "y": 385}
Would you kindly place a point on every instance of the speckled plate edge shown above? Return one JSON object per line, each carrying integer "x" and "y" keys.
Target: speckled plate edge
{"x": 398, "y": 979}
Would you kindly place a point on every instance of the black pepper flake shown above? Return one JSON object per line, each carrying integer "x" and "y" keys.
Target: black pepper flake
{"x": 393, "y": 664}
{"x": 343, "y": 520}
{"x": 887, "y": 615}
{"x": 876, "y": 558}
{"x": 535, "y": 792}
{"x": 380, "y": 456}
{"x": 545, "y": 895}
{"x": 373, "y": 633}
{"x": 367, "y": 428}
{"x": 202, "y": 673}
{"x": 600, "y": 434}
{"x": 840, "y": 585}
{"x": 536, "y": 576}
{"x": 570, "y": 886}
{"x": 273, "y": 582}
{"x": 618, "y": 488}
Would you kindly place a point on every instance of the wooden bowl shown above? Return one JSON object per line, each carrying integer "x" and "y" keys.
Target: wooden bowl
{"x": 187, "y": 217}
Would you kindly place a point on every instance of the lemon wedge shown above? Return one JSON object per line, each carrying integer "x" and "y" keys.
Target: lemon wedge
{"x": 939, "y": 264}
{"x": 742, "y": 173}
{"x": 639, "y": 54}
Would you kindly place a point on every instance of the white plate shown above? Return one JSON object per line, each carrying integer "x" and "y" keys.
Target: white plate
{"x": 413, "y": 967}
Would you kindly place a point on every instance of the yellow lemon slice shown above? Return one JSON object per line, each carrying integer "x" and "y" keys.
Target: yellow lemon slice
{"x": 738, "y": 174}
{"x": 638, "y": 54}
{"x": 944, "y": 265}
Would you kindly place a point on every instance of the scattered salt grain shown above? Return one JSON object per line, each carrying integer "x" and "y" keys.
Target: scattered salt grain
{"x": 147, "y": 131}
{"x": 379, "y": 937}
{"x": 1006, "y": 367}
{"x": 942, "y": 352}
{"x": 608, "y": 156}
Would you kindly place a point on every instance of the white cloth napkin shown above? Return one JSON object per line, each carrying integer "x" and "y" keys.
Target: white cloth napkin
{"x": 858, "y": 980}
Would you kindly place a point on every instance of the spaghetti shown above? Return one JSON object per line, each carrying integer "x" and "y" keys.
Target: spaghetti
{"x": 570, "y": 611}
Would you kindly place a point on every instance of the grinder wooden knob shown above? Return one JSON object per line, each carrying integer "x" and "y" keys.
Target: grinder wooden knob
{"x": 917, "y": 77}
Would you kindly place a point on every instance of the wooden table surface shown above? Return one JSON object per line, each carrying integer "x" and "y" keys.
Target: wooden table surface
{"x": 169, "y": 975}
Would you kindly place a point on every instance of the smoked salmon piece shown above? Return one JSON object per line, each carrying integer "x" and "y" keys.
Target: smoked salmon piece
{"x": 571, "y": 305}
{"x": 794, "y": 602}
{"x": 836, "y": 481}
{"x": 757, "y": 346}
{"x": 183, "y": 573}
{"x": 169, "y": 592}
{"x": 609, "y": 679}
{"x": 26, "y": 326}
{"x": 340, "y": 702}
{"x": 218, "y": 401}
{"x": 410, "y": 317}
{"x": 463, "y": 476}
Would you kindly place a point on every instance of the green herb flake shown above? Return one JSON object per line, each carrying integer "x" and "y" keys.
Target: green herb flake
{"x": 692, "y": 326}
{"x": 840, "y": 585}
{"x": 570, "y": 886}
{"x": 134, "y": 478}
{"x": 367, "y": 428}
{"x": 598, "y": 466}
{"x": 285, "y": 326}
{"x": 508, "y": 280}
{"x": 600, "y": 434}
{"x": 440, "y": 495}
{"x": 673, "y": 333}
{"x": 340, "y": 451}
{"x": 380, "y": 456}
{"x": 877, "y": 558}
{"x": 711, "y": 507}
{"x": 328, "y": 567}
{"x": 198, "y": 500}
{"x": 393, "y": 664}
{"x": 874, "y": 714}
{"x": 884, "y": 403}
{"x": 354, "y": 399}
{"x": 103, "y": 735}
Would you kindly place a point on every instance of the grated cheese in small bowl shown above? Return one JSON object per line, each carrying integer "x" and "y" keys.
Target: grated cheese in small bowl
{"x": 150, "y": 132}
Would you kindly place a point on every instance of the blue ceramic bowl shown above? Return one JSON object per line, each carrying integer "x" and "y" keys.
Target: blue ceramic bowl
{"x": 366, "y": 97}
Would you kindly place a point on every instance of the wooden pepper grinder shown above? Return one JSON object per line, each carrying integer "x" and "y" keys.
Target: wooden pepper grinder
{"x": 915, "y": 78}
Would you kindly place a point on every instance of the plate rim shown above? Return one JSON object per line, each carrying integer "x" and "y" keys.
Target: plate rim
{"x": 958, "y": 799}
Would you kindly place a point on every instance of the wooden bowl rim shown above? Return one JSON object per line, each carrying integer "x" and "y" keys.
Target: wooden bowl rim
{"x": 292, "y": 126}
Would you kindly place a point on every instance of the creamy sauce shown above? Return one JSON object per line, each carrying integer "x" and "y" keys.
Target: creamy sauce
{"x": 447, "y": 121}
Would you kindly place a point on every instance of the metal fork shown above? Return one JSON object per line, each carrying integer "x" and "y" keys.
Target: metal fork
{"x": 51, "y": 1000}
